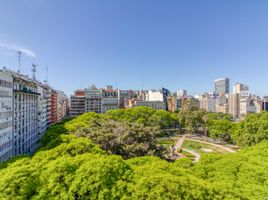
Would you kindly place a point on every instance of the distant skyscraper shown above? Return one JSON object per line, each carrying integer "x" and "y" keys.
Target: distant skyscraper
{"x": 222, "y": 86}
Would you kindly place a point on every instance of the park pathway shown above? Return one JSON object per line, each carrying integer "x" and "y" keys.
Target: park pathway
{"x": 216, "y": 145}
{"x": 179, "y": 145}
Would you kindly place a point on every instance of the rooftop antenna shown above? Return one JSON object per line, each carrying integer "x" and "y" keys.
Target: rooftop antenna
{"x": 46, "y": 81}
{"x": 19, "y": 60}
{"x": 34, "y": 71}
{"x": 142, "y": 84}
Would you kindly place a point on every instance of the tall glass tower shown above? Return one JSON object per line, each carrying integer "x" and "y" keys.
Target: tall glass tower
{"x": 222, "y": 86}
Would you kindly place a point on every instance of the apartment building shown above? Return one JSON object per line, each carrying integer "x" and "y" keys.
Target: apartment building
{"x": 62, "y": 104}
{"x": 43, "y": 113}
{"x": 6, "y": 115}
{"x": 158, "y": 105}
{"x": 53, "y": 106}
{"x": 110, "y": 100}
{"x": 234, "y": 105}
{"x": 25, "y": 114}
{"x": 124, "y": 96}
{"x": 77, "y": 103}
{"x": 265, "y": 103}
{"x": 27, "y": 108}
{"x": 93, "y": 101}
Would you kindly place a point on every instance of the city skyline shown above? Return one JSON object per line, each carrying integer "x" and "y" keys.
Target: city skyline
{"x": 138, "y": 45}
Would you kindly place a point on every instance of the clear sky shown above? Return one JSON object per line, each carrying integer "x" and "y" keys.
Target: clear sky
{"x": 135, "y": 44}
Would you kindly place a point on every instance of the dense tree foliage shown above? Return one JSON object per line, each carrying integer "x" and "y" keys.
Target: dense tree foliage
{"x": 252, "y": 130}
{"x": 74, "y": 162}
{"x": 79, "y": 169}
{"x": 123, "y": 138}
{"x": 221, "y": 129}
{"x": 146, "y": 116}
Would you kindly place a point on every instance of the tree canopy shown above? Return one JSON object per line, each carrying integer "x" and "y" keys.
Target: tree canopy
{"x": 73, "y": 163}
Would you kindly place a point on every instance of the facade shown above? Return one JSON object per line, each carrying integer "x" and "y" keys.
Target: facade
{"x": 93, "y": 101}
{"x": 25, "y": 114}
{"x": 158, "y": 105}
{"x": 110, "y": 100}
{"x": 247, "y": 103}
{"x": 53, "y": 107}
{"x": 222, "y": 86}
{"x": 77, "y": 103}
{"x": 26, "y": 111}
{"x": 222, "y": 104}
{"x": 154, "y": 95}
{"x": 62, "y": 104}
{"x": 265, "y": 104}
{"x": 124, "y": 96}
{"x": 6, "y": 116}
{"x": 43, "y": 111}
{"x": 234, "y": 105}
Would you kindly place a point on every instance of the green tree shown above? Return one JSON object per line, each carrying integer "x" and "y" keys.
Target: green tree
{"x": 252, "y": 130}
{"x": 221, "y": 129}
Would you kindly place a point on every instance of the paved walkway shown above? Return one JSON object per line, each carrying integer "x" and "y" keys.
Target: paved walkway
{"x": 179, "y": 145}
{"x": 216, "y": 145}
{"x": 179, "y": 142}
{"x": 196, "y": 155}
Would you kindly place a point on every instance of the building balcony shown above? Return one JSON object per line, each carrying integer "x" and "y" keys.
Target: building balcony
{"x": 26, "y": 90}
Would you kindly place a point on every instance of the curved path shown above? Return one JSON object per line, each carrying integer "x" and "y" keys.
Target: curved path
{"x": 179, "y": 145}
{"x": 215, "y": 145}
{"x": 196, "y": 155}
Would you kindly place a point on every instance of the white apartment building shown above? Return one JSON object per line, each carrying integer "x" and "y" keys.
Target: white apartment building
{"x": 158, "y": 105}
{"x": 245, "y": 98}
{"x": 25, "y": 114}
{"x": 110, "y": 100}
{"x": 6, "y": 115}
{"x": 93, "y": 101}
{"x": 43, "y": 116}
{"x": 154, "y": 95}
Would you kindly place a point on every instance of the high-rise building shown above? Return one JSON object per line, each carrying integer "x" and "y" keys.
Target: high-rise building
{"x": 222, "y": 86}
{"x": 77, "y": 103}
{"x": 6, "y": 115}
{"x": 43, "y": 112}
{"x": 26, "y": 109}
{"x": 245, "y": 98}
{"x": 25, "y": 114}
{"x": 234, "y": 105}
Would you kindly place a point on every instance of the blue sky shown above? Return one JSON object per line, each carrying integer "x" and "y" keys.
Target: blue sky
{"x": 177, "y": 44}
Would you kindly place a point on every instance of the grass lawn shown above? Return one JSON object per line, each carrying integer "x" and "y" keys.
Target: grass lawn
{"x": 167, "y": 142}
{"x": 198, "y": 146}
